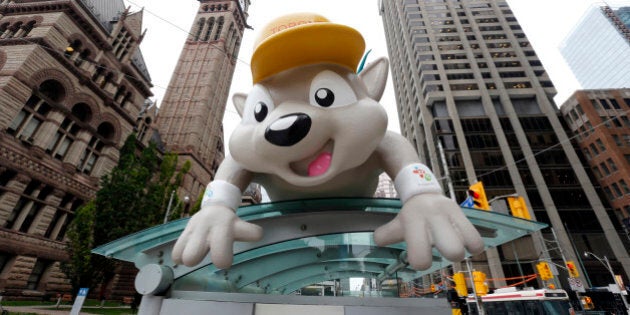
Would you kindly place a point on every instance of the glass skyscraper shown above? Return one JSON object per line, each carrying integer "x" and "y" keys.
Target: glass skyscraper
{"x": 598, "y": 48}
{"x": 466, "y": 77}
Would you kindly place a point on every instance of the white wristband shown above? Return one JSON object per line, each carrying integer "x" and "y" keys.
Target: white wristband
{"x": 220, "y": 192}
{"x": 415, "y": 179}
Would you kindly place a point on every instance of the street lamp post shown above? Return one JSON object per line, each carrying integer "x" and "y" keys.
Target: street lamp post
{"x": 606, "y": 263}
{"x": 168, "y": 208}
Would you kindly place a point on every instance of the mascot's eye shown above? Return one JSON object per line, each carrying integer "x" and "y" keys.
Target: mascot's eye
{"x": 260, "y": 111}
{"x": 324, "y": 97}
{"x": 258, "y": 106}
{"x": 329, "y": 89}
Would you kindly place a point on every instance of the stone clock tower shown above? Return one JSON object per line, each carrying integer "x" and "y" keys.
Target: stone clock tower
{"x": 191, "y": 114}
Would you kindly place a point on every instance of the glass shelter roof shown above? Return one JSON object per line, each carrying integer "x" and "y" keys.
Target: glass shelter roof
{"x": 305, "y": 242}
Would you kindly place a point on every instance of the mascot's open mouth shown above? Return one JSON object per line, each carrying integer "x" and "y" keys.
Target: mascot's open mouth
{"x": 316, "y": 164}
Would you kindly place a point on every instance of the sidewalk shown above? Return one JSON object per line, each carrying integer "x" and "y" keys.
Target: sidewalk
{"x": 62, "y": 310}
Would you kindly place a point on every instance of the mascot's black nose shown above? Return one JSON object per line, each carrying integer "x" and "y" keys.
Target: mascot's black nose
{"x": 288, "y": 130}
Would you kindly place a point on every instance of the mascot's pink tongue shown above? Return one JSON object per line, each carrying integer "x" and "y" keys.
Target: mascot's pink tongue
{"x": 320, "y": 165}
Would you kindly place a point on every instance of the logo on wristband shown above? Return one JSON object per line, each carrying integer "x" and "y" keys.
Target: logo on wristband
{"x": 422, "y": 173}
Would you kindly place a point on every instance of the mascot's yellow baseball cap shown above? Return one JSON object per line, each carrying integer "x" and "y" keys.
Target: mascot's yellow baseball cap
{"x": 301, "y": 39}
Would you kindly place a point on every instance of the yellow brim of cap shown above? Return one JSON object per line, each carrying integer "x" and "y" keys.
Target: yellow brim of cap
{"x": 307, "y": 44}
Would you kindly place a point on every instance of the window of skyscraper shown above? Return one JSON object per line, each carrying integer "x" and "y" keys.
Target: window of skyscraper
{"x": 612, "y": 165}
{"x": 614, "y": 103}
{"x": 512, "y": 74}
{"x": 609, "y": 193}
{"x": 601, "y": 145}
{"x": 587, "y": 153}
{"x": 604, "y": 168}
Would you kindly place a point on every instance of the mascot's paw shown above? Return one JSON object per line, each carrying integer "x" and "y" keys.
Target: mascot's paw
{"x": 429, "y": 220}
{"x": 214, "y": 228}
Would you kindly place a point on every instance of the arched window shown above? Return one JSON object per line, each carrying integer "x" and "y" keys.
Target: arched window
{"x": 12, "y": 30}
{"x": 105, "y": 131}
{"x": 68, "y": 130}
{"x": 108, "y": 78}
{"x": 120, "y": 93}
{"x": 230, "y": 36}
{"x": 219, "y": 29}
{"x": 28, "y": 28}
{"x": 3, "y": 29}
{"x": 125, "y": 99}
{"x": 52, "y": 90}
{"x": 73, "y": 50}
{"x": 98, "y": 73}
{"x": 85, "y": 54}
{"x": 200, "y": 25}
{"x": 206, "y": 36}
{"x": 26, "y": 124}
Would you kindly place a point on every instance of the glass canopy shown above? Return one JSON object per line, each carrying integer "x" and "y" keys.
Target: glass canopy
{"x": 305, "y": 242}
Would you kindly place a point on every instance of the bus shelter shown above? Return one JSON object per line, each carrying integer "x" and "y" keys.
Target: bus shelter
{"x": 305, "y": 242}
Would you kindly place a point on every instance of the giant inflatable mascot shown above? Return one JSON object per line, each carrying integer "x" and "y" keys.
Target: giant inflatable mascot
{"x": 312, "y": 127}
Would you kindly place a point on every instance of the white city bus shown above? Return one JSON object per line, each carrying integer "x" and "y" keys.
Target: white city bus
{"x": 523, "y": 302}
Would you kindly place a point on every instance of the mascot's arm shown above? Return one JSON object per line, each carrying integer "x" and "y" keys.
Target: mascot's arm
{"x": 427, "y": 217}
{"x": 216, "y": 225}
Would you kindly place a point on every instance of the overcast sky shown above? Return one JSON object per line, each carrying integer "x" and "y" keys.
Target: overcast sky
{"x": 545, "y": 22}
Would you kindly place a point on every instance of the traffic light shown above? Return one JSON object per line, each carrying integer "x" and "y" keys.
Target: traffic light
{"x": 433, "y": 288}
{"x": 478, "y": 195}
{"x": 544, "y": 271}
{"x": 518, "y": 207}
{"x": 587, "y": 303}
{"x": 460, "y": 284}
{"x": 572, "y": 268}
{"x": 479, "y": 281}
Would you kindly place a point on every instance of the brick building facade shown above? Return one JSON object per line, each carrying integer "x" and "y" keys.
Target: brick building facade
{"x": 600, "y": 125}
{"x": 73, "y": 86}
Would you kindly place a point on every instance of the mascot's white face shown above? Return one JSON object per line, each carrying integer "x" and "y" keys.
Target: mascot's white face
{"x": 308, "y": 124}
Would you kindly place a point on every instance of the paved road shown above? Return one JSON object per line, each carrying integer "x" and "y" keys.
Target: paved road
{"x": 64, "y": 310}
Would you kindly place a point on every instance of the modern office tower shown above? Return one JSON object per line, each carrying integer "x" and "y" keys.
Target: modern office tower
{"x": 466, "y": 76}
{"x": 598, "y": 47}
{"x": 385, "y": 188}
{"x": 599, "y": 123}
{"x": 73, "y": 86}
{"x": 623, "y": 14}
{"x": 191, "y": 114}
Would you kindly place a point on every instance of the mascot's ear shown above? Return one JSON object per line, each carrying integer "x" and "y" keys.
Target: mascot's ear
{"x": 239, "y": 102}
{"x": 374, "y": 76}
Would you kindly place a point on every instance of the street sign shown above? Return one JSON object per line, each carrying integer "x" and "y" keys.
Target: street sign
{"x": 468, "y": 203}
{"x": 576, "y": 285}
{"x": 78, "y": 302}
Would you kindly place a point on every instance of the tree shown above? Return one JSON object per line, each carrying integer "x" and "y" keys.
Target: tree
{"x": 80, "y": 269}
{"x": 132, "y": 197}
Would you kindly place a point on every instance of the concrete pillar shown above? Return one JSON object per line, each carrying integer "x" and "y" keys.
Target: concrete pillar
{"x": 48, "y": 129}
{"x": 75, "y": 152}
{"x": 45, "y": 215}
{"x": 9, "y": 199}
